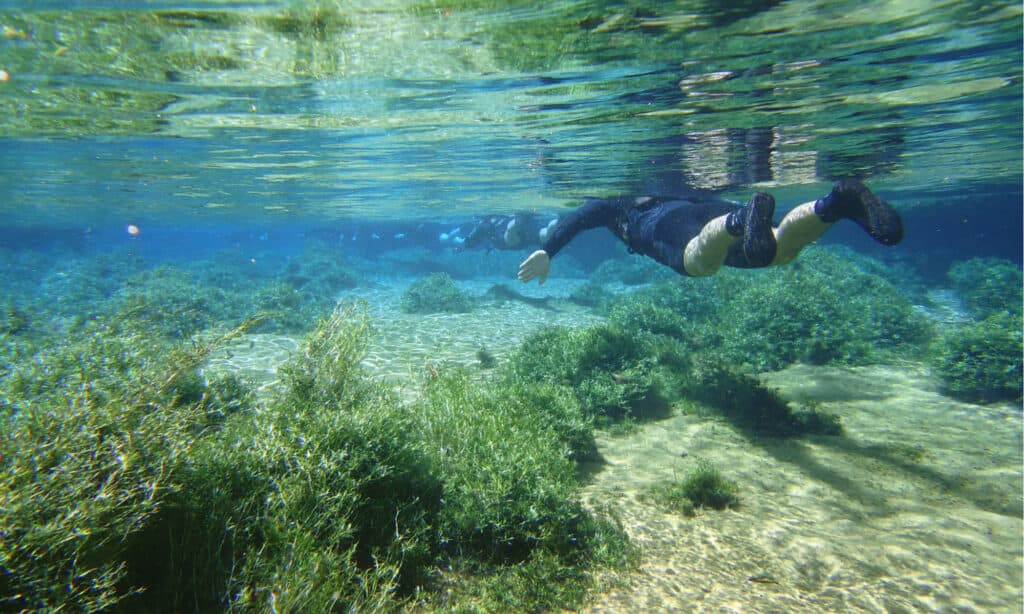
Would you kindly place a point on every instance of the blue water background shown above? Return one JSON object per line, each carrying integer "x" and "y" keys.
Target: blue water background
{"x": 924, "y": 104}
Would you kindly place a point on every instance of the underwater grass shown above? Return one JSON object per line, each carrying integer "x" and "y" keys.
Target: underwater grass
{"x": 702, "y": 487}
{"x": 613, "y": 373}
{"x": 826, "y": 310}
{"x": 618, "y": 377}
{"x": 132, "y": 482}
{"x": 981, "y": 361}
{"x": 988, "y": 285}
{"x": 95, "y": 431}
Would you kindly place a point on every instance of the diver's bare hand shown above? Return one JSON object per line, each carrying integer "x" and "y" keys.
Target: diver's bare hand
{"x": 538, "y": 265}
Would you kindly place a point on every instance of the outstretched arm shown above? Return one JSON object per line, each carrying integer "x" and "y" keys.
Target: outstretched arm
{"x": 593, "y": 214}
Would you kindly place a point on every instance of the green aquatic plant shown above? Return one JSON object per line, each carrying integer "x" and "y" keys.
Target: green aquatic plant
{"x": 630, "y": 271}
{"x": 613, "y": 373}
{"x": 519, "y": 495}
{"x": 328, "y": 374}
{"x": 485, "y": 358}
{"x": 703, "y": 487}
{"x": 641, "y": 314}
{"x": 819, "y": 311}
{"x": 113, "y": 471}
{"x": 95, "y": 431}
{"x": 499, "y": 457}
{"x": 135, "y": 481}
{"x": 559, "y": 408}
{"x": 512, "y": 520}
{"x": 987, "y": 285}
{"x": 674, "y": 305}
{"x": 433, "y": 294}
{"x": 981, "y": 361}
{"x": 165, "y": 301}
{"x": 320, "y": 270}
{"x": 828, "y": 310}
{"x": 322, "y": 499}
{"x": 288, "y": 309}
{"x": 77, "y": 285}
{"x": 13, "y": 319}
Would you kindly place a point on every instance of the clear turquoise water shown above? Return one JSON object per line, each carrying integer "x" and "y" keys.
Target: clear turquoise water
{"x": 268, "y": 113}
{"x": 263, "y": 147}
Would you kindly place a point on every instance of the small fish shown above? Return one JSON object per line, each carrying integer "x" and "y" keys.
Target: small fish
{"x": 762, "y": 578}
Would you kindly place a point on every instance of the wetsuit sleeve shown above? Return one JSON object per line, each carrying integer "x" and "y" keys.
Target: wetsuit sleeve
{"x": 595, "y": 213}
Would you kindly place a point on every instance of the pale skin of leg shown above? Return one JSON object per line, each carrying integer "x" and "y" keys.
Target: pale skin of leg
{"x": 797, "y": 230}
{"x": 706, "y": 252}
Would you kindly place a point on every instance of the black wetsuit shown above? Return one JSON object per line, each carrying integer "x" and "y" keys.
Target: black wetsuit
{"x": 656, "y": 227}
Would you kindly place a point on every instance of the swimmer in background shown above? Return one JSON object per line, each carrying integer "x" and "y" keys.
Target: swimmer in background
{"x": 503, "y": 232}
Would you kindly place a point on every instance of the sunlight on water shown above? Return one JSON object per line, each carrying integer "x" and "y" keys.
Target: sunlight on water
{"x": 254, "y": 354}
{"x": 470, "y": 107}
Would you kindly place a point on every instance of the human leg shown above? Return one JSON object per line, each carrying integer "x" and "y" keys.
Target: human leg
{"x": 849, "y": 199}
{"x": 750, "y": 225}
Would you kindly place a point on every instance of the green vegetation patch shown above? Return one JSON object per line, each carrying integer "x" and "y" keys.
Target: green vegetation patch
{"x": 130, "y": 480}
{"x": 824, "y": 310}
{"x": 613, "y": 373}
{"x": 987, "y": 285}
{"x": 96, "y": 429}
{"x": 435, "y": 293}
{"x": 703, "y": 487}
{"x": 981, "y": 361}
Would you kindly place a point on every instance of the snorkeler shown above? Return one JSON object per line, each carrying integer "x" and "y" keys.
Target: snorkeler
{"x": 508, "y": 232}
{"x": 695, "y": 238}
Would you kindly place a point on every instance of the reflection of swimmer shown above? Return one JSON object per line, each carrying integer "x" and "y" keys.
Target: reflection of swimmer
{"x": 502, "y": 232}
{"x": 695, "y": 238}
